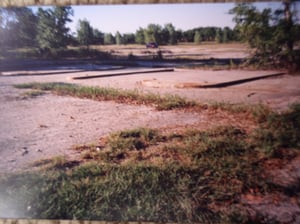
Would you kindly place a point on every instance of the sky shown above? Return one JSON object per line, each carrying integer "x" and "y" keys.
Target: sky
{"x": 129, "y": 18}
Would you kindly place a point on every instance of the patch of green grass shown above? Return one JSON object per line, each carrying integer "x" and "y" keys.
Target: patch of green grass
{"x": 229, "y": 160}
{"x": 279, "y": 130}
{"x": 259, "y": 111}
{"x": 136, "y": 139}
{"x": 224, "y": 163}
{"x": 109, "y": 193}
{"x": 167, "y": 102}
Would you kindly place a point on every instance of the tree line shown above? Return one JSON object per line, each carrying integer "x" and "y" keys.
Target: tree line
{"x": 47, "y": 29}
{"x": 162, "y": 35}
{"x": 273, "y": 34}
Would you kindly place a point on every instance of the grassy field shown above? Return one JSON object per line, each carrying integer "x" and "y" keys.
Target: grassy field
{"x": 187, "y": 176}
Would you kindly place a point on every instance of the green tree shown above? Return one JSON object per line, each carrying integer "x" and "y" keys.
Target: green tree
{"x": 271, "y": 34}
{"x": 226, "y": 35}
{"x": 140, "y": 36}
{"x": 62, "y": 17}
{"x": 98, "y": 37}
{"x": 207, "y": 34}
{"x": 179, "y": 35}
{"x": 197, "y": 37}
{"x": 171, "y": 34}
{"x": 26, "y": 27}
{"x": 85, "y": 34}
{"x": 52, "y": 31}
{"x": 109, "y": 39}
{"x": 288, "y": 33}
{"x": 45, "y": 29}
{"x": 219, "y": 35}
{"x": 189, "y": 35}
{"x": 128, "y": 38}
{"x": 153, "y": 33}
{"x": 119, "y": 38}
{"x": 210, "y": 33}
{"x": 17, "y": 27}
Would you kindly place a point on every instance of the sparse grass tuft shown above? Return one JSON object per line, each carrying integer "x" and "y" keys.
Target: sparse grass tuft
{"x": 32, "y": 94}
{"x": 110, "y": 193}
{"x": 44, "y": 86}
{"x": 136, "y": 139}
{"x": 259, "y": 111}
